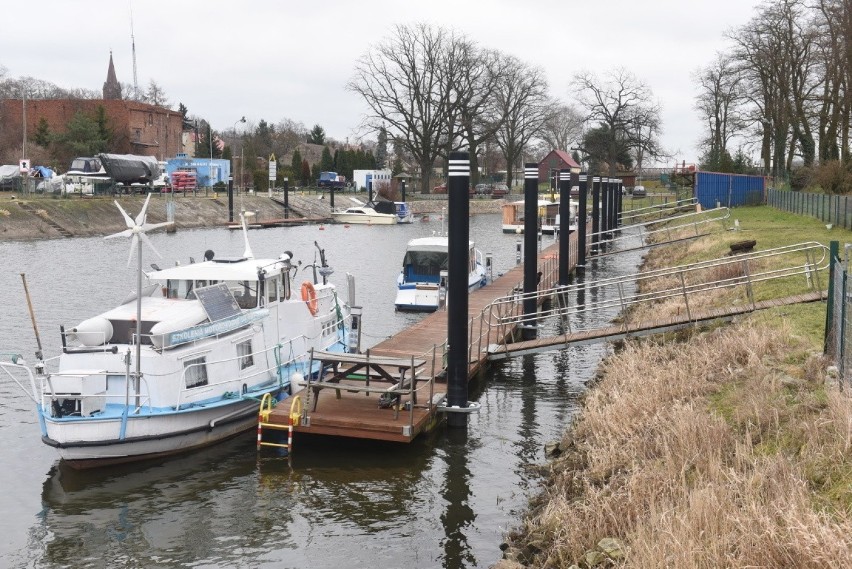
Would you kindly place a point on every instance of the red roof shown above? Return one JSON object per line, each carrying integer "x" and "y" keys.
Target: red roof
{"x": 567, "y": 158}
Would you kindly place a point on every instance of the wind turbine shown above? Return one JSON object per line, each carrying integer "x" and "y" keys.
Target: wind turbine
{"x": 136, "y": 229}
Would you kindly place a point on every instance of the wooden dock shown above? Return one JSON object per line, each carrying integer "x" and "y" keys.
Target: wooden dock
{"x": 379, "y": 400}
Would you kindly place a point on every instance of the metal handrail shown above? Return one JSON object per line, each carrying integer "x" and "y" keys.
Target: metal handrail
{"x": 501, "y": 313}
{"x": 661, "y": 209}
{"x": 651, "y": 229}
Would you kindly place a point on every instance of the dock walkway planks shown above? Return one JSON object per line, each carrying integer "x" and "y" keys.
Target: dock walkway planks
{"x": 357, "y": 414}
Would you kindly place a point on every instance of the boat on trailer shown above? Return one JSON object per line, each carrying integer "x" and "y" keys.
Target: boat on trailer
{"x": 216, "y": 336}
{"x": 421, "y": 286}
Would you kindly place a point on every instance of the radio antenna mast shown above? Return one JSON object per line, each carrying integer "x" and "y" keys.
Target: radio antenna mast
{"x": 133, "y": 46}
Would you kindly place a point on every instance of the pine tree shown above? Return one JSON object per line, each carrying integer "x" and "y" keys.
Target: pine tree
{"x": 326, "y": 161}
{"x": 42, "y": 133}
{"x": 305, "y": 169}
{"x": 317, "y": 135}
{"x": 296, "y": 165}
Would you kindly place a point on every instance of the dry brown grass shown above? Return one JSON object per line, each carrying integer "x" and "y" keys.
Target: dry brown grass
{"x": 726, "y": 451}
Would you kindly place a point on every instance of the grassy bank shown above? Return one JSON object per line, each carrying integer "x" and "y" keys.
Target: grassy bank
{"x": 725, "y": 447}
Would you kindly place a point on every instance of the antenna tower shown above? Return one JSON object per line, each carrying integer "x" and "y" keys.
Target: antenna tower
{"x": 133, "y": 46}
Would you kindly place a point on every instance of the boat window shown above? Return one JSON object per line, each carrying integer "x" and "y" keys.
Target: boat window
{"x": 424, "y": 264}
{"x": 195, "y": 372}
{"x": 285, "y": 285}
{"x": 272, "y": 289}
{"x": 245, "y": 293}
{"x": 179, "y": 289}
{"x": 245, "y": 355}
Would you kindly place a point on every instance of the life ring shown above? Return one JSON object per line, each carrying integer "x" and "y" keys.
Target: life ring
{"x": 309, "y": 295}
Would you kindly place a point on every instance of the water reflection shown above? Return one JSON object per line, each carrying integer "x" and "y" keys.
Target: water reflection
{"x": 456, "y": 492}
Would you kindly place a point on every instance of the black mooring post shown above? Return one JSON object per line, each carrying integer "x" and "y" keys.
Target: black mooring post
{"x": 530, "y": 249}
{"x": 596, "y": 213}
{"x": 620, "y": 201}
{"x": 564, "y": 222}
{"x": 582, "y": 218}
{"x": 230, "y": 199}
{"x": 402, "y": 189}
{"x": 605, "y": 208}
{"x": 331, "y": 197}
{"x": 613, "y": 206}
{"x": 370, "y": 191}
{"x": 457, "y": 271}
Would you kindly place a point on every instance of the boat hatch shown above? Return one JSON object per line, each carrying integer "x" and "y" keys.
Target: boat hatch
{"x": 229, "y": 259}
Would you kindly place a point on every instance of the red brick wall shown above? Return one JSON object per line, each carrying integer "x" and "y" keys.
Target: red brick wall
{"x": 139, "y": 128}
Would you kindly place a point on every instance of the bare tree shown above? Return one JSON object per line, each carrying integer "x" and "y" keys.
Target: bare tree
{"x": 155, "y": 95}
{"x": 624, "y": 108}
{"x": 404, "y": 83}
{"x": 563, "y": 128}
{"x": 524, "y": 105}
{"x": 719, "y": 103}
{"x": 479, "y": 114}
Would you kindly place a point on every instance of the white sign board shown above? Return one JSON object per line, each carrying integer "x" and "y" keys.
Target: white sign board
{"x": 24, "y": 165}
{"x": 273, "y": 171}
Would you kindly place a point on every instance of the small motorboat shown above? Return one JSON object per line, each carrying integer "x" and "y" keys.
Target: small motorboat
{"x": 421, "y": 286}
{"x": 371, "y": 213}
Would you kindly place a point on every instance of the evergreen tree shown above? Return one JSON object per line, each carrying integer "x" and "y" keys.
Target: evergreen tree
{"x": 326, "y": 161}
{"x": 82, "y": 137}
{"x": 305, "y": 169}
{"x": 42, "y": 133}
{"x": 296, "y": 165}
{"x": 105, "y": 133}
{"x": 315, "y": 174}
{"x": 317, "y": 135}
{"x": 382, "y": 149}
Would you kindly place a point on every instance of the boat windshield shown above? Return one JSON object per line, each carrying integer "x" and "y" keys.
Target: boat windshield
{"x": 424, "y": 266}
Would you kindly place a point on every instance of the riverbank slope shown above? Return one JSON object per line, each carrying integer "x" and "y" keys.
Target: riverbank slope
{"x": 723, "y": 447}
{"x": 50, "y": 218}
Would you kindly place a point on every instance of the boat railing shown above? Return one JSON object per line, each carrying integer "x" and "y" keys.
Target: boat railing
{"x": 13, "y": 364}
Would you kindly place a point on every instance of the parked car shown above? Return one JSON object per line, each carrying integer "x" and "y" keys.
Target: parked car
{"x": 482, "y": 189}
{"x": 499, "y": 190}
{"x": 639, "y": 192}
{"x": 440, "y": 189}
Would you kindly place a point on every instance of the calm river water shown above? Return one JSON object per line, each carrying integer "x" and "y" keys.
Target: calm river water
{"x": 444, "y": 501}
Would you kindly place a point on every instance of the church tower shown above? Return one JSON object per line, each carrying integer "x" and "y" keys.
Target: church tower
{"x": 112, "y": 89}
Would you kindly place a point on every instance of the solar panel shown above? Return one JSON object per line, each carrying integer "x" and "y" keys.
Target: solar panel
{"x": 217, "y": 301}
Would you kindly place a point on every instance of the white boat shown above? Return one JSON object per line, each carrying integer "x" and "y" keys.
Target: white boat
{"x": 550, "y": 221}
{"x": 548, "y": 216}
{"x": 419, "y": 284}
{"x": 366, "y": 214}
{"x": 216, "y": 336}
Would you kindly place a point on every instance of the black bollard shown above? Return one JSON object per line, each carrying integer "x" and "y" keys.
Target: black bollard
{"x": 582, "y": 219}
{"x": 230, "y": 199}
{"x": 457, "y": 269}
{"x": 402, "y": 189}
{"x": 331, "y": 198}
{"x": 613, "y": 201}
{"x": 530, "y": 250}
{"x": 370, "y": 191}
{"x": 596, "y": 213}
{"x": 620, "y": 207}
{"x": 604, "y": 211}
{"x": 564, "y": 223}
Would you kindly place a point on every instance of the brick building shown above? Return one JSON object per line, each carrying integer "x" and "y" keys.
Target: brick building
{"x": 554, "y": 161}
{"x": 138, "y": 128}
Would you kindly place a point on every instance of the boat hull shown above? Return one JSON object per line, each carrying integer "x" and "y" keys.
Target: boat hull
{"x": 91, "y": 443}
{"x": 377, "y": 219}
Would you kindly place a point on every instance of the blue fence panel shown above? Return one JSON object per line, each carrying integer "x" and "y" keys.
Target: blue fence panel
{"x": 731, "y": 190}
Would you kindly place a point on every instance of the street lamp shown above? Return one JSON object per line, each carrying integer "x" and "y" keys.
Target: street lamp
{"x": 240, "y": 120}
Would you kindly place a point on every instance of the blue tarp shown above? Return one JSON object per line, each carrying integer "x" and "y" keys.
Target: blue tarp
{"x": 730, "y": 190}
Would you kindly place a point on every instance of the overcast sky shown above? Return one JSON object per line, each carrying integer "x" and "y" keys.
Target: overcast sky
{"x": 281, "y": 59}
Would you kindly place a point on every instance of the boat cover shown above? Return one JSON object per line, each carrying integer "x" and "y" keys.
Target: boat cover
{"x": 9, "y": 173}
{"x": 130, "y": 168}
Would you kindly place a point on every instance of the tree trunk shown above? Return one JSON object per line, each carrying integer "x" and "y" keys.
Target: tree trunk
{"x": 425, "y": 176}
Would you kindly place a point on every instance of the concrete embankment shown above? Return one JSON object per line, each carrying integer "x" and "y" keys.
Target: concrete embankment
{"x": 23, "y": 219}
